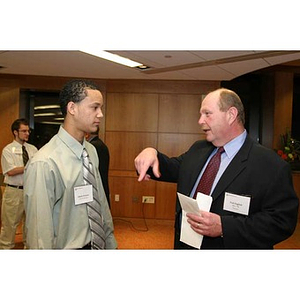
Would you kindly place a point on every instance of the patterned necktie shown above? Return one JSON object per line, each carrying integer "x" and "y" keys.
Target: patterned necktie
{"x": 93, "y": 208}
{"x": 209, "y": 174}
{"x": 25, "y": 155}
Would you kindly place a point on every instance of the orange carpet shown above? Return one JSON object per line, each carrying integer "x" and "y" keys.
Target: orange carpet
{"x": 156, "y": 234}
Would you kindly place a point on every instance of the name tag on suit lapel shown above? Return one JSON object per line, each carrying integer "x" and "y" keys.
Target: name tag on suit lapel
{"x": 237, "y": 203}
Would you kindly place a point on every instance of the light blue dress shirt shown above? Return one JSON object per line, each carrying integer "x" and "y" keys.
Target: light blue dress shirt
{"x": 231, "y": 149}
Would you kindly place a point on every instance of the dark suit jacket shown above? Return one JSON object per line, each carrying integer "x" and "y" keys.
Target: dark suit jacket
{"x": 255, "y": 171}
{"x": 103, "y": 155}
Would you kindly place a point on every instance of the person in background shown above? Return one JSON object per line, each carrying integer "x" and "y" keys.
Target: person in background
{"x": 65, "y": 202}
{"x": 103, "y": 155}
{"x": 13, "y": 160}
{"x": 248, "y": 171}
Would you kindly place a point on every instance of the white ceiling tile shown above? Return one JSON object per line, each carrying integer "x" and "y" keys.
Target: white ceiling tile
{"x": 208, "y": 73}
{"x": 79, "y": 64}
{"x": 243, "y": 67}
{"x": 282, "y": 59}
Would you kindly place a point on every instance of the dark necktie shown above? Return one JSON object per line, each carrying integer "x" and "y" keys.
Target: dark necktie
{"x": 93, "y": 208}
{"x": 209, "y": 174}
{"x": 25, "y": 155}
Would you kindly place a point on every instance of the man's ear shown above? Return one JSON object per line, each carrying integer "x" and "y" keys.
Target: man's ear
{"x": 232, "y": 114}
{"x": 71, "y": 107}
{"x": 15, "y": 132}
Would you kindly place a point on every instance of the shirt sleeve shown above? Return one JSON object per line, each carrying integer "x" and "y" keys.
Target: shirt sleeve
{"x": 110, "y": 241}
{"x": 38, "y": 202}
{"x": 7, "y": 161}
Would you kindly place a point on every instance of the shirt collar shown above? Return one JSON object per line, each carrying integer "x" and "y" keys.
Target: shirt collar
{"x": 19, "y": 145}
{"x": 234, "y": 145}
{"x": 70, "y": 142}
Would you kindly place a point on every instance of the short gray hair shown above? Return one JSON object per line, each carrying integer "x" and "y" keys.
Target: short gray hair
{"x": 229, "y": 99}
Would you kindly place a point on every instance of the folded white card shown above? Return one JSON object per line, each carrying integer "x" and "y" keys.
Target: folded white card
{"x": 190, "y": 205}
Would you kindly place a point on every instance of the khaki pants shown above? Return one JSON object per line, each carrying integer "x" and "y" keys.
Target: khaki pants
{"x": 11, "y": 215}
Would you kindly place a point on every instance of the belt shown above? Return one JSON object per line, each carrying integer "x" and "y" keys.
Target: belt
{"x": 16, "y": 186}
{"x": 86, "y": 247}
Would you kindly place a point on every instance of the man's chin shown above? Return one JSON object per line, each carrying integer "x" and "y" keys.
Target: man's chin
{"x": 208, "y": 137}
{"x": 94, "y": 129}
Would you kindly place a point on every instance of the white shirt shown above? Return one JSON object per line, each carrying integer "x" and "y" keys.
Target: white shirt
{"x": 12, "y": 158}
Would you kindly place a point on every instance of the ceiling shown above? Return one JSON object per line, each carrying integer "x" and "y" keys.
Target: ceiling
{"x": 163, "y": 65}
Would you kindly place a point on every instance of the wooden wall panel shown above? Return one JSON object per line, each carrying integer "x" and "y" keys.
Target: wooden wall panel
{"x": 175, "y": 144}
{"x": 132, "y": 112}
{"x": 131, "y": 192}
{"x": 9, "y": 107}
{"x": 162, "y": 86}
{"x": 165, "y": 200}
{"x": 140, "y": 114}
{"x": 179, "y": 113}
{"x": 125, "y": 146}
{"x": 40, "y": 82}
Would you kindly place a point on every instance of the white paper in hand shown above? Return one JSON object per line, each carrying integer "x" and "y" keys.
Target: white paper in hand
{"x": 190, "y": 205}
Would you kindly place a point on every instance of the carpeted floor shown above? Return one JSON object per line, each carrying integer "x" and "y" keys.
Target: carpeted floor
{"x": 134, "y": 234}
{"x": 156, "y": 234}
{"x": 144, "y": 234}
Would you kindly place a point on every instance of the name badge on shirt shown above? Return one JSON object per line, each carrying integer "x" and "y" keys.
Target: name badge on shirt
{"x": 83, "y": 194}
{"x": 16, "y": 150}
{"x": 236, "y": 203}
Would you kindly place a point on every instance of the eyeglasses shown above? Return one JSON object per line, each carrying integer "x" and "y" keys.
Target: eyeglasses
{"x": 24, "y": 131}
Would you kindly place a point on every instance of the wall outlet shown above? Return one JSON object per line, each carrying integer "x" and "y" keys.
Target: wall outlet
{"x": 148, "y": 199}
{"x": 135, "y": 199}
{"x": 117, "y": 198}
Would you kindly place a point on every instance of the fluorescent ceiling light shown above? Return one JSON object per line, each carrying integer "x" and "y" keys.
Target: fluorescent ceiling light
{"x": 45, "y": 115}
{"x": 114, "y": 58}
{"x": 51, "y": 123}
{"x": 46, "y": 107}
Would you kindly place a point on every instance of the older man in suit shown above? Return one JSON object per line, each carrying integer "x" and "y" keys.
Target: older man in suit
{"x": 247, "y": 170}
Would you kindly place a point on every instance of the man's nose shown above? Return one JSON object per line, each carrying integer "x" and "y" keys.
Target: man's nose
{"x": 100, "y": 114}
{"x": 201, "y": 121}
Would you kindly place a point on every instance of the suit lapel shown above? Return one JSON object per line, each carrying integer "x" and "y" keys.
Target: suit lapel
{"x": 233, "y": 170}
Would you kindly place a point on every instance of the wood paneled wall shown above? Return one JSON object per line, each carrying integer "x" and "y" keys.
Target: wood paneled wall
{"x": 9, "y": 107}
{"x": 140, "y": 114}
{"x": 137, "y": 114}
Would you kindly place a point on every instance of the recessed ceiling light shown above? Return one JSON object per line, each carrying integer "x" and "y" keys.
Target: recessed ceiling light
{"x": 142, "y": 67}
